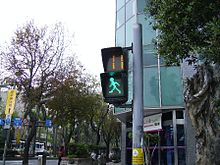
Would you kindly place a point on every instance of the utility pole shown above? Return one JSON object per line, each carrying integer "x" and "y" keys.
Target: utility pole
{"x": 137, "y": 128}
{"x": 10, "y": 107}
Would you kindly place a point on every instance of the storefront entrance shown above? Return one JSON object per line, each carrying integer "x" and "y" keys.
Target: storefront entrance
{"x": 167, "y": 146}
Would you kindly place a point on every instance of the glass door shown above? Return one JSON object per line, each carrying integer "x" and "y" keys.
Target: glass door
{"x": 167, "y": 144}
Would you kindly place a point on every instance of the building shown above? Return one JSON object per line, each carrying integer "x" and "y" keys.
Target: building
{"x": 163, "y": 94}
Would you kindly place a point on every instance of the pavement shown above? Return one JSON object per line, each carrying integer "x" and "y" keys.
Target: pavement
{"x": 111, "y": 163}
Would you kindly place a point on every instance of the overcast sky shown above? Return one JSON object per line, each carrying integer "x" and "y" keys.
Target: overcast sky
{"x": 91, "y": 21}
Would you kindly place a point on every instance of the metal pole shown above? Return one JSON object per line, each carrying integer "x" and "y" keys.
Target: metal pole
{"x": 137, "y": 129}
{"x": 7, "y": 138}
{"x": 6, "y": 142}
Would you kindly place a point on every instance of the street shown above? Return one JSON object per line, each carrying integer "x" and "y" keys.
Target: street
{"x": 31, "y": 162}
{"x": 35, "y": 162}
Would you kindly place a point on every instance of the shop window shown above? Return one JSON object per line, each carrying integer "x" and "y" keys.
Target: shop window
{"x": 179, "y": 115}
{"x": 167, "y": 116}
{"x": 167, "y": 147}
{"x": 181, "y": 145}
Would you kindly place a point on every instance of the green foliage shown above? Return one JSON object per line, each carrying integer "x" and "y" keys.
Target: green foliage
{"x": 187, "y": 28}
{"x": 153, "y": 138}
{"x": 78, "y": 150}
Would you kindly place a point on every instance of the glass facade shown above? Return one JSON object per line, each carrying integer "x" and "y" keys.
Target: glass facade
{"x": 163, "y": 86}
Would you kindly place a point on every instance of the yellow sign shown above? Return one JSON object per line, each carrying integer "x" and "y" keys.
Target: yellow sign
{"x": 137, "y": 156}
{"x": 10, "y": 104}
{"x": 18, "y": 136}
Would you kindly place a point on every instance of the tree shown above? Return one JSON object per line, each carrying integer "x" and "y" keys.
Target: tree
{"x": 111, "y": 131}
{"x": 190, "y": 31}
{"x": 32, "y": 57}
{"x": 68, "y": 89}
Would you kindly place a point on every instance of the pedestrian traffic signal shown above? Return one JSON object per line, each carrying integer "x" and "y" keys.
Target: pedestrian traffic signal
{"x": 114, "y": 59}
{"x": 114, "y": 87}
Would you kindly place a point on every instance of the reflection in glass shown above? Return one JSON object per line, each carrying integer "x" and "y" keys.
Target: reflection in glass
{"x": 141, "y": 6}
{"x": 167, "y": 148}
{"x": 181, "y": 144}
{"x": 120, "y": 36}
{"x": 120, "y": 17}
{"x": 151, "y": 87}
{"x": 120, "y": 3}
{"x": 129, "y": 31}
{"x": 171, "y": 86}
{"x": 148, "y": 33}
{"x": 150, "y": 58}
{"x": 130, "y": 9}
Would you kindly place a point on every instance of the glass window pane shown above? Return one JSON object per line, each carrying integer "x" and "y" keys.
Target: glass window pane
{"x": 151, "y": 89}
{"x": 141, "y": 5}
{"x": 120, "y": 36}
{"x": 119, "y": 3}
{"x": 130, "y": 9}
{"x": 148, "y": 33}
{"x": 179, "y": 115}
{"x": 130, "y": 77}
{"x": 180, "y": 135}
{"x": 149, "y": 59}
{"x": 167, "y": 148}
{"x": 181, "y": 144}
{"x": 120, "y": 17}
{"x": 129, "y": 32}
{"x": 171, "y": 86}
{"x": 149, "y": 55}
{"x": 181, "y": 156}
{"x": 167, "y": 116}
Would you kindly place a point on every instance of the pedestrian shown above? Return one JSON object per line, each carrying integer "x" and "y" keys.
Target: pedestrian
{"x": 61, "y": 154}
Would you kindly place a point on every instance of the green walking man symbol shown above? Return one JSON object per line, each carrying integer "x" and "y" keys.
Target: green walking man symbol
{"x": 113, "y": 85}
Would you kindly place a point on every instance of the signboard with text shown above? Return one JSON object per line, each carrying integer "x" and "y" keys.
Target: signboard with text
{"x": 152, "y": 123}
{"x": 10, "y": 103}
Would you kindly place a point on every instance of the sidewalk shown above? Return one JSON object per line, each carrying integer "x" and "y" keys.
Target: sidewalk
{"x": 111, "y": 163}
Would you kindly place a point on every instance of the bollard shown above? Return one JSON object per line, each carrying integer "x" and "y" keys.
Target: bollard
{"x": 39, "y": 159}
{"x": 44, "y": 158}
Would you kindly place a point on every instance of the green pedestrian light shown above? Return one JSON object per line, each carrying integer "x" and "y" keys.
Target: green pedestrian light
{"x": 114, "y": 87}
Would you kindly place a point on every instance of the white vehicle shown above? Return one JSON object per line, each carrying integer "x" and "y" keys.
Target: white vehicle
{"x": 39, "y": 147}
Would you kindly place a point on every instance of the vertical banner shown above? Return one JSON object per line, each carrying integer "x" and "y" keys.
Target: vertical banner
{"x": 10, "y": 103}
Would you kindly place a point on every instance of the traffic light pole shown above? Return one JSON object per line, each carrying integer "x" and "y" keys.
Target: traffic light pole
{"x": 137, "y": 129}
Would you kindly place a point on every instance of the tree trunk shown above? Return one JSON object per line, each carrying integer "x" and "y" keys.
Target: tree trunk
{"x": 27, "y": 144}
{"x": 29, "y": 138}
{"x": 202, "y": 97}
{"x": 107, "y": 150}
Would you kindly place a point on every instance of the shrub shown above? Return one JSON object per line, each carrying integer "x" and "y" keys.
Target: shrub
{"x": 78, "y": 150}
